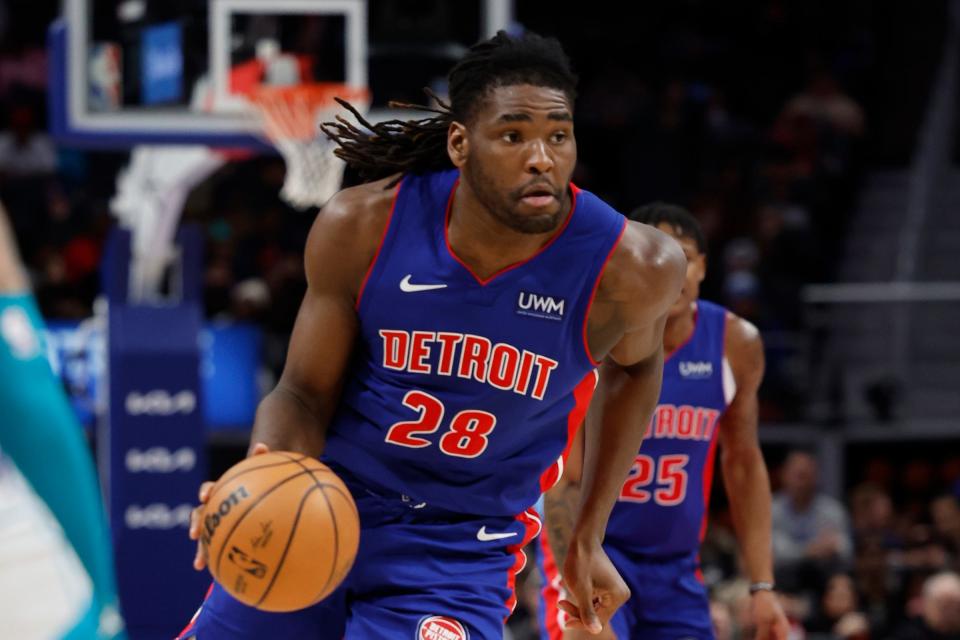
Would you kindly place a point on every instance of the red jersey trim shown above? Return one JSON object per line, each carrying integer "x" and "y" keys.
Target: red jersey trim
{"x": 484, "y": 281}
{"x": 593, "y": 294}
{"x": 696, "y": 319}
{"x": 376, "y": 256}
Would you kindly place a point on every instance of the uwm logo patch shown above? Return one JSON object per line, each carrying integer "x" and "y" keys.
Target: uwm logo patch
{"x": 702, "y": 369}
{"x": 540, "y": 306}
{"x": 441, "y": 628}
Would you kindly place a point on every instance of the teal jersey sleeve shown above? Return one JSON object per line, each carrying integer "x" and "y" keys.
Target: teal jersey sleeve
{"x": 40, "y": 434}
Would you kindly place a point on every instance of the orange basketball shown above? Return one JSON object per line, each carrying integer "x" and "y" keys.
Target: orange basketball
{"x": 280, "y": 531}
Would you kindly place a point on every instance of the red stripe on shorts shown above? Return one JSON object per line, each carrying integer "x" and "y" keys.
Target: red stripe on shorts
{"x": 531, "y": 527}
{"x": 187, "y": 629}
{"x": 550, "y": 590}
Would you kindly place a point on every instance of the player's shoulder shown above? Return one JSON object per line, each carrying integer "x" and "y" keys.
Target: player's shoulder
{"x": 743, "y": 344}
{"x": 354, "y": 217}
{"x": 364, "y": 207}
{"x": 646, "y": 262}
{"x": 348, "y": 230}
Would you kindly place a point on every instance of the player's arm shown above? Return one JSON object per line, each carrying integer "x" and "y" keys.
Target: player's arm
{"x": 13, "y": 280}
{"x": 560, "y": 506}
{"x": 561, "y": 503}
{"x": 644, "y": 277}
{"x": 340, "y": 249}
{"x": 745, "y": 473}
{"x": 39, "y": 429}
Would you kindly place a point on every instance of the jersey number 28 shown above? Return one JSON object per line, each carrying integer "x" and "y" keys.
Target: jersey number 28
{"x": 466, "y": 437}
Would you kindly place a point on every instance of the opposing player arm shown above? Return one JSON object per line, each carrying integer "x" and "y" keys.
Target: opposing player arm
{"x": 625, "y": 328}
{"x": 39, "y": 426}
{"x": 12, "y": 277}
{"x": 340, "y": 249}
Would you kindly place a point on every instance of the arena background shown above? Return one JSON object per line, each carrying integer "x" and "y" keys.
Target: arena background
{"x": 815, "y": 141}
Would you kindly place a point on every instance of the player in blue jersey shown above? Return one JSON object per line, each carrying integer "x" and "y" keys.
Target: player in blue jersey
{"x": 711, "y": 375}
{"x": 56, "y": 565}
{"x": 457, "y": 308}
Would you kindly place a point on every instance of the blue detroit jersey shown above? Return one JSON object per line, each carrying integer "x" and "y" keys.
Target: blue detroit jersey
{"x": 461, "y": 391}
{"x": 662, "y": 505}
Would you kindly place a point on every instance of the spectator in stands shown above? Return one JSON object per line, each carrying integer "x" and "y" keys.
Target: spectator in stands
{"x": 734, "y": 596}
{"x": 924, "y": 552}
{"x": 940, "y": 618}
{"x": 945, "y": 513}
{"x": 871, "y": 510}
{"x": 877, "y": 585}
{"x": 825, "y": 103}
{"x": 249, "y": 300}
{"x": 852, "y": 626}
{"x": 810, "y": 529}
{"x": 722, "y": 620}
{"x": 839, "y": 609}
{"x": 741, "y": 286}
{"x": 25, "y": 151}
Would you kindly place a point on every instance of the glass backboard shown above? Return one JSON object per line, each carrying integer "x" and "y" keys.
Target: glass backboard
{"x": 126, "y": 72}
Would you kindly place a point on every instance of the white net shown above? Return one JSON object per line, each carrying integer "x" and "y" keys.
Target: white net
{"x": 291, "y": 118}
{"x": 151, "y": 192}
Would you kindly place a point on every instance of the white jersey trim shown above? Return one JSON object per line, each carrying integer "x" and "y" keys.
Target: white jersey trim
{"x": 729, "y": 382}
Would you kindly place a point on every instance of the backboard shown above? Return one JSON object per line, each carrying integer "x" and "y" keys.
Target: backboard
{"x": 127, "y": 72}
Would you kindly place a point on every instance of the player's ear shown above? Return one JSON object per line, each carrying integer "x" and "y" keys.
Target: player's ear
{"x": 701, "y": 261}
{"x": 457, "y": 144}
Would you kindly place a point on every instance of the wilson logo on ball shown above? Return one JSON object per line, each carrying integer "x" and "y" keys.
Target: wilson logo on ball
{"x": 441, "y": 628}
{"x": 212, "y": 520}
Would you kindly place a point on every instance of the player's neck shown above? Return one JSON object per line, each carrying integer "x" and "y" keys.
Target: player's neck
{"x": 679, "y": 329}
{"x": 485, "y": 243}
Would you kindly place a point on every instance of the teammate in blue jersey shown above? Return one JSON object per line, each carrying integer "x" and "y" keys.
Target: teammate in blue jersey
{"x": 457, "y": 308}
{"x": 56, "y": 565}
{"x": 710, "y": 379}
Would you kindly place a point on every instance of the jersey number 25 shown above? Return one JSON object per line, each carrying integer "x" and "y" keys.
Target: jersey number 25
{"x": 670, "y": 475}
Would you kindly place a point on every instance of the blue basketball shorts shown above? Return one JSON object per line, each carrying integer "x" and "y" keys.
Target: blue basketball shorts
{"x": 668, "y": 600}
{"x": 421, "y": 573}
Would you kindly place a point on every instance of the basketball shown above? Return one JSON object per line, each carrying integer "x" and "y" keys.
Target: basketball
{"x": 280, "y": 531}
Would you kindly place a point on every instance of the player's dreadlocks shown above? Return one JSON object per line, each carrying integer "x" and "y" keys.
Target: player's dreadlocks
{"x": 682, "y": 221}
{"x": 417, "y": 146}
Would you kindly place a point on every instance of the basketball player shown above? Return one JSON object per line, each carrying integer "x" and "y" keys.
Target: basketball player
{"x": 457, "y": 308}
{"x": 56, "y": 567}
{"x": 710, "y": 379}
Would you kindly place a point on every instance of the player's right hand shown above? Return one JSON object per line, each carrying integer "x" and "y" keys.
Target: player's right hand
{"x": 595, "y": 587}
{"x": 196, "y": 516}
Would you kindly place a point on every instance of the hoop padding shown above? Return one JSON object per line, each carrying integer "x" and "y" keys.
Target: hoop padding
{"x": 291, "y": 117}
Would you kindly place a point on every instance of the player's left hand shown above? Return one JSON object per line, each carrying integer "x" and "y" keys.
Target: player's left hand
{"x": 596, "y": 589}
{"x": 768, "y": 616}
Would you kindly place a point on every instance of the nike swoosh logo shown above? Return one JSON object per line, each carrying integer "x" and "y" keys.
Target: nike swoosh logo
{"x": 483, "y": 536}
{"x": 408, "y": 287}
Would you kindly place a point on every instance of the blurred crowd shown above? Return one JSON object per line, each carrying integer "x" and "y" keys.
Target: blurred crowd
{"x": 754, "y": 120}
{"x": 880, "y": 564}
{"x": 760, "y": 120}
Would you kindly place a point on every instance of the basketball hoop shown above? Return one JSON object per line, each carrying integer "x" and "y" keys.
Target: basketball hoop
{"x": 291, "y": 118}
